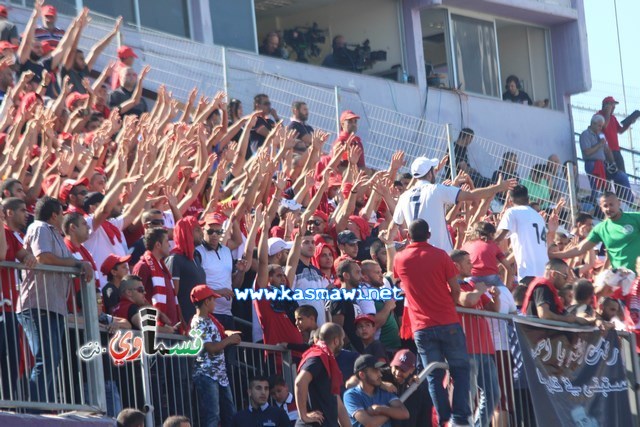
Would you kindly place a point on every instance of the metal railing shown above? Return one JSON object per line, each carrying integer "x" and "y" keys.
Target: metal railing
{"x": 504, "y": 367}
{"x": 53, "y": 381}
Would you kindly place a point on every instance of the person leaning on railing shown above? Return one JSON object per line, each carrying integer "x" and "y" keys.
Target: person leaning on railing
{"x": 42, "y": 305}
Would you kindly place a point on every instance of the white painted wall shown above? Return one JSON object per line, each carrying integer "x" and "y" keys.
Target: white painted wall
{"x": 350, "y": 18}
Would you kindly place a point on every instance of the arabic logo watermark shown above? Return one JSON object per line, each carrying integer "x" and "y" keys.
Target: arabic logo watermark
{"x": 125, "y": 347}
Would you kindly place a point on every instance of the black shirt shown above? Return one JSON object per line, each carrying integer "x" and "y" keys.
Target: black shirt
{"x": 320, "y": 396}
{"x": 256, "y": 140}
{"x": 348, "y": 310}
{"x": 520, "y": 98}
{"x": 189, "y": 273}
{"x": 267, "y": 417}
{"x": 121, "y": 95}
{"x": 541, "y": 295}
{"x": 75, "y": 78}
{"x": 110, "y": 296}
{"x": 300, "y": 127}
{"x": 38, "y": 67}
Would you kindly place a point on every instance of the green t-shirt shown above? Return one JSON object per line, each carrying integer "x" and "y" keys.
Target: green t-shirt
{"x": 538, "y": 191}
{"x": 621, "y": 238}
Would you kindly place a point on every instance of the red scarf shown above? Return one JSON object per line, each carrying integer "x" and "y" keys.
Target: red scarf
{"x": 113, "y": 233}
{"x": 86, "y": 256}
{"x": 218, "y": 325}
{"x": 321, "y": 350}
{"x": 163, "y": 295}
{"x": 540, "y": 281}
{"x": 183, "y": 237}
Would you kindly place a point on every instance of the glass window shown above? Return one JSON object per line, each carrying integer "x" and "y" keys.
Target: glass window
{"x": 436, "y": 47}
{"x": 170, "y": 16}
{"x": 113, "y": 8}
{"x": 475, "y": 53}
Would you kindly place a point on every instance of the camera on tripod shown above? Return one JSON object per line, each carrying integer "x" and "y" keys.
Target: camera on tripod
{"x": 304, "y": 41}
{"x": 360, "y": 57}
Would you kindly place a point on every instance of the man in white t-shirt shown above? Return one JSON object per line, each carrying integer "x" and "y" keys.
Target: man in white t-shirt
{"x": 528, "y": 234}
{"x": 429, "y": 201}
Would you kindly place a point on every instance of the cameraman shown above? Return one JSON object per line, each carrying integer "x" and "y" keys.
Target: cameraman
{"x": 341, "y": 58}
{"x": 271, "y": 46}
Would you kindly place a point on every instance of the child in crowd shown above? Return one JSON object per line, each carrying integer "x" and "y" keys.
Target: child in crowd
{"x": 306, "y": 321}
{"x": 282, "y": 397}
{"x": 486, "y": 256}
{"x": 583, "y": 306}
{"x": 209, "y": 371}
{"x": 566, "y": 293}
{"x": 366, "y": 329}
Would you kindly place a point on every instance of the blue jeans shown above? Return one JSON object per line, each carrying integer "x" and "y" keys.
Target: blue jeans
{"x": 440, "y": 344}
{"x": 45, "y": 332}
{"x": 622, "y": 189}
{"x": 490, "y": 280}
{"x": 215, "y": 402}
{"x": 484, "y": 369}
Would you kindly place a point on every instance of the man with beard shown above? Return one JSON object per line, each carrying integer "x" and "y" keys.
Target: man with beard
{"x": 72, "y": 193}
{"x": 128, "y": 97}
{"x": 109, "y": 218}
{"x": 387, "y": 329}
{"x": 317, "y": 386}
{"x": 274, "y": 315}
{"x": 367, "y": 404}
{"x": 74, "y": 64}
{"x": 185, "y": 263}
{"x": 348, "y": 128}
{"x": 299, "y": 122}
{"x": 427, "y": 200}
{"x": 345, "y": 311}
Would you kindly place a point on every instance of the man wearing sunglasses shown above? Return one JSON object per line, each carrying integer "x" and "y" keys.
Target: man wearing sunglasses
{"x": 132, "y": 299}
{"x": 150, "y": 218}
{"x": 263, "y": 124}
{"x": 72, "y": 193}
{"x": 542, "y": 299}
{"x": 218, "y": 266}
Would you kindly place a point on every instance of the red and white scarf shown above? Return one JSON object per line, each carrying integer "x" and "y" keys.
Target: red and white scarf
{"x": 112, "y": 232}
{"x": 163, "y": 295}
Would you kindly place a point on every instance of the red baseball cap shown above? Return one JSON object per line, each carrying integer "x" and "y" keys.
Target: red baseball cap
{"x": 49, "y": 10}
{"x": 67, "y": 186}
{"x": 125, "y": 52}
{"x": 111, "y": 261}
{"x": 348, "y": 115}
{"x": 3, "y": 11}
{"x": 365, "y": 318}
{"x": 74, "y": 97}
{"x": 610, "y": 100}
{"x": 213, "y": 218}
{"x": 404, "y": 359}
{"x": 6, "y": 45}
{"x": 48, "y": 46}
{"x": 201, "y": 293}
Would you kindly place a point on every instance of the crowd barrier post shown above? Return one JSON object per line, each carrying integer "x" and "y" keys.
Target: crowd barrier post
{"x": 452, "y": 150}
{"x": 336, "y": 95}
{"x": 573, "y": 194}
{"x": 225, "y": 75}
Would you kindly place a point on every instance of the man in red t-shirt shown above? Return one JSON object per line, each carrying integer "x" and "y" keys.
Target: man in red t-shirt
{"x": 11, "y": 250}
{"x": 479, "y": 340}
{"x": 349, "y": 126}
{"x": 612, "y": 128}
{"x": 430, "y": 282}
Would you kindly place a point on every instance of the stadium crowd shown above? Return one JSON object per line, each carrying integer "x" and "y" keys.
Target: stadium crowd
{"x": 178, "y": 206}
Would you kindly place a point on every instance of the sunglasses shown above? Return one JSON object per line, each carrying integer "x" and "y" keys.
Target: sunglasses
{"x": 562, "y": 274}
{"x": 156, "y": 222}
{"x": 212, "y": 231}
{"x": 315, "y": 222}
{"x": 82, "y": 193}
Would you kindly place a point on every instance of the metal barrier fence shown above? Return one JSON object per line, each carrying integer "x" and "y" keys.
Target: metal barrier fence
{"x": 499, "y": 380}
{"x": 38, "y": 353}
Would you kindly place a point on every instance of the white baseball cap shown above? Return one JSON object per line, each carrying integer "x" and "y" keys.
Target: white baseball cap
{"x": 422, "y": 165}
{"x": 276, "y": 245}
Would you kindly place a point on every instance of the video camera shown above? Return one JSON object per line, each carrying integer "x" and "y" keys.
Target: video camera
{"x": 360, "y": 57}
{"x": 304, "y": 41}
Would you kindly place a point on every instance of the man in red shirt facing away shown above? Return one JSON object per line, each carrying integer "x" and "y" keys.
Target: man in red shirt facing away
{"x": 348, "y": 126}
{"x": 612, "y": 128}
{"x": 430, "y": 282}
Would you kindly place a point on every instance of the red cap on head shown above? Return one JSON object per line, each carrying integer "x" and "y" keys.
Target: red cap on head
{"x": 201, "y": 293}
{"x": 73, "y": 98}
{"x": 6, "y": 45}
{"x": 213, "y": 218}
{"x": 323, "y": 216}
{"x": 404, "y": 359}
{"x": 111, "y": 261}
{"x": 365, "y": 318}
{"x": 49, "y": 10}
{"x": 348, "y": 115}
{"x": 125, "y": 52}
{"x": 68, "y": 185}
{"x": 3, "y": 11}
{"x": 610, "y": 100}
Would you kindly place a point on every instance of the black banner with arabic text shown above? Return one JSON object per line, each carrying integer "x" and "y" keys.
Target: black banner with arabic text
{"x": 576, "y": 378}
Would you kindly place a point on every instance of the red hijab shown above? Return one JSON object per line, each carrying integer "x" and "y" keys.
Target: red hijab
{"x": 315, "y": 259}
{"x": 183, "y": 237}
